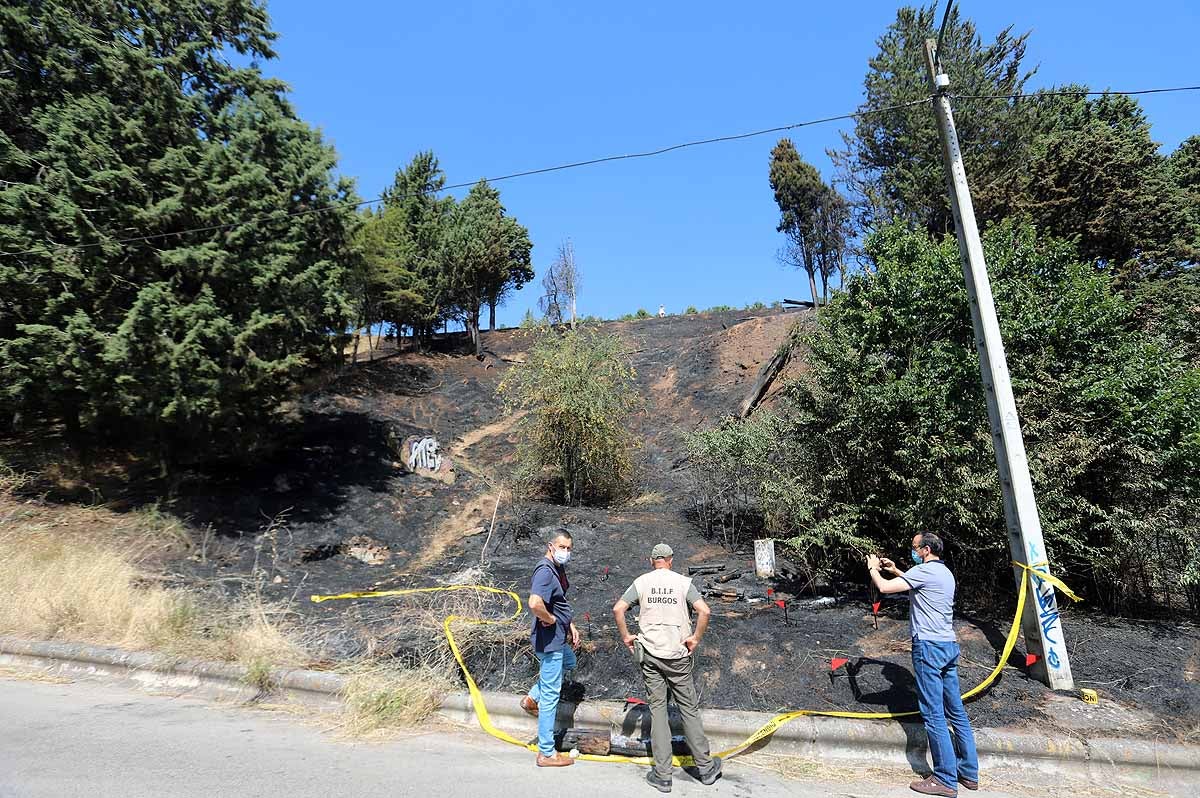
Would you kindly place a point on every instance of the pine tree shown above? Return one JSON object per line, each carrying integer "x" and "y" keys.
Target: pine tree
{"x": 419, "y": 217}
{"x": 1079, "y": 168}
{"x": 483, "y": 251}
{"x": 516, "y": 272}
{"x": 174, "y": 238}
{"x": 1093, "y": 174}
{"x": 1184, "y": 165}
{"x": 892, "y": 163}
{"x": 813, "y": 215}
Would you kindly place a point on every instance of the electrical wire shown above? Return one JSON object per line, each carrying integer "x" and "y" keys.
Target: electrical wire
{"x": 937, "y": 53}
{"x": 590, "y": 162}
{"x": 1053, "y": 93}
{"x": 512, "y": 176}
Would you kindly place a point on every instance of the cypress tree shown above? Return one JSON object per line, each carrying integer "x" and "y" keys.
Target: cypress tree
{"x": 174, "y": 238}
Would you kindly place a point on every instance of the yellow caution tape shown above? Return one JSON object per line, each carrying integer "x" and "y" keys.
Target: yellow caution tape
{"x": 763, "y": 732}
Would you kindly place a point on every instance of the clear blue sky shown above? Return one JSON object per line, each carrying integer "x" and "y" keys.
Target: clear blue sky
{"x": 494, "y": 88}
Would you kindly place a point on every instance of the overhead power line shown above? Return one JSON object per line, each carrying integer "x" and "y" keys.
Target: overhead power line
{"x": 514, "y": 175}
{"x": 1067, "y": 93}
{"x": 588, "y": 162}
{"x": 937, "y": 52}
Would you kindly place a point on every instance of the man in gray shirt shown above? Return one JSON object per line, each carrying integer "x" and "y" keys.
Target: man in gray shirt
{"x": 935, "y": 663}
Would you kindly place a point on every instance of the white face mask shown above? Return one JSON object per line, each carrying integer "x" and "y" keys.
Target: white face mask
{"x": 562, "y": 556}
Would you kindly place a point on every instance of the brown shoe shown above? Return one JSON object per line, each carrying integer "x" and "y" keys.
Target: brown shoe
{"x": 529, "y": 705}
{"x": 931, "y": 786}
{"x": 556, "y": 761}
{"x": 968, "y": 783}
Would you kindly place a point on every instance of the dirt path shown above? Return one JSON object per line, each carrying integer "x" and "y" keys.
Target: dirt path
{"x": 471, "y": 520}
{"x": 474, "y": 517}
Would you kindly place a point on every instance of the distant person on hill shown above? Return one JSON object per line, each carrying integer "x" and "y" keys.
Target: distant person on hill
{"x": 935, "y": 663}
{"x": 554, "y": 637}
{"x": 662, "y": 311}
{"x": 663, "y": 649}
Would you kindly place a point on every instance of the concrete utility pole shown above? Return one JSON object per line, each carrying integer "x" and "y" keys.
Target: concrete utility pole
{"x": 1040, "y": 620}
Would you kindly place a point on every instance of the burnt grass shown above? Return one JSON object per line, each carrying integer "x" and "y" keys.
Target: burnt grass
{"x": 333, "y": 475}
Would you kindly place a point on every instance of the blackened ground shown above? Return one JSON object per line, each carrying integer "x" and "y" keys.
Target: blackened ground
{"x": 285, "y": 519}
{"x": 754, "y": 658}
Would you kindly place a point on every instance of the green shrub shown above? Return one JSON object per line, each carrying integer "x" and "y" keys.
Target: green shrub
{"x": 744, "y": 484}
{"x": 890, "y": 434}
{"x": 886, "y": 435}
{"x": 642, "y": 313}
{"x": 691, "y": 310}
{"x": 577, "y": 390}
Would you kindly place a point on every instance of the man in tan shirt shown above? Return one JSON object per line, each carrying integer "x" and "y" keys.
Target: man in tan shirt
{"x": 663, "y": 648}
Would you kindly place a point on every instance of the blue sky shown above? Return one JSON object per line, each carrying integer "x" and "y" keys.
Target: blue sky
{"x": 494, "y": 88}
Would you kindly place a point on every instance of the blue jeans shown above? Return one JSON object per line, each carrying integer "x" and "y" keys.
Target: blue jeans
{"x": 935, "y": 665}
{"x": 546, "y": 691}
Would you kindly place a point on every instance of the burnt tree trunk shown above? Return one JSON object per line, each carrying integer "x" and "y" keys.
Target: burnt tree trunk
{"x": 765, "y": 376}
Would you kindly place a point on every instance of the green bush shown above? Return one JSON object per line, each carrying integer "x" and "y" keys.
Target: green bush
{"x": 691, "y": 310}
{"x": 889, "y": 433}
{"x": 577, "y": 391}
{"x": 642, "y": 313}
{"x": 182, "y": 345}
{"x": 744, "y": 484}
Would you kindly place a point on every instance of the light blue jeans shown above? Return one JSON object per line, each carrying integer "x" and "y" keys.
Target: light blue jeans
{"x": 935, "y": 664}
{"x": 546, "y": 692}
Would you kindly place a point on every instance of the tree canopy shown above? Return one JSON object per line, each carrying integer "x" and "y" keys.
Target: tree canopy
{"x": 813, "y": 215}
{"x": 895, "y": 436}
{"x": 175, "y": 239}
{"x": 1083, "y": 168}
{"x": 399, "y": 273}
{"x": 482, "y": 253}
{"x": 429, "y": 259}
{"x": 892, "y": 162}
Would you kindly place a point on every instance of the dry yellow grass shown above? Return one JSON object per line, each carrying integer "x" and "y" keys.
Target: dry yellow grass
{"x": 58, "y": 590}
{"x": 87, "y": 574}
{"x": 654, "y": 497}
{"x": 62, "y": 587}
{"x": 382, "y": 698}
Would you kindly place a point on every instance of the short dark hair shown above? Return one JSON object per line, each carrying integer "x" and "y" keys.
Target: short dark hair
{"x": 560, "y": 533}
{"x": 934, "y": 542}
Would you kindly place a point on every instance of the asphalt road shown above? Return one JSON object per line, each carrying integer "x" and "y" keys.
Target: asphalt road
{"x": 90, "y": 739}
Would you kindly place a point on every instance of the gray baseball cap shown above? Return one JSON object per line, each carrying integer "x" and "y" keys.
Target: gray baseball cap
{"x": 661, "y": 551}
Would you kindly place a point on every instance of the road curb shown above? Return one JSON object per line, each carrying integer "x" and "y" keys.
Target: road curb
{"x": 889, "y": 742}
{"x": 163, "y": 673}
{"x": 1151, "y": 762}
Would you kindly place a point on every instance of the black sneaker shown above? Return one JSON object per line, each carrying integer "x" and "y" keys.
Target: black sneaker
{"x": 658, "y": 782}
{"x": 713, "y": 774}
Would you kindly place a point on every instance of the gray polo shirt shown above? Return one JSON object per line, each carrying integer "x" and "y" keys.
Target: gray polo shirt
{"x": 931, "y": 614}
